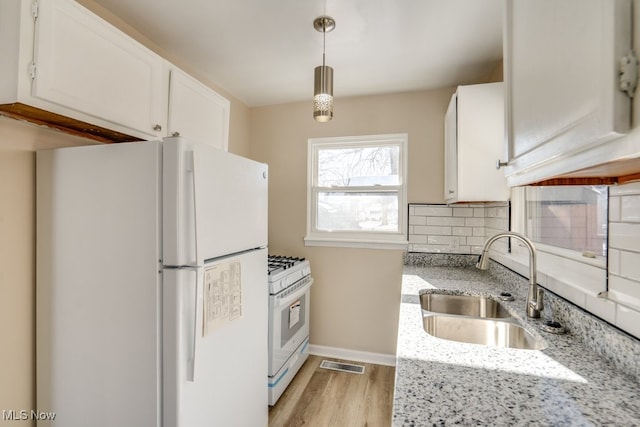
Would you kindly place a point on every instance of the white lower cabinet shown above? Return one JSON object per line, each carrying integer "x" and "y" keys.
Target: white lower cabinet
{"x": 474, "y": 141}
{"x": 197, "y": 112}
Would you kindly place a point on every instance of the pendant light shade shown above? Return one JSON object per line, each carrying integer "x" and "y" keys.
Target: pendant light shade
{"x": 323, "y": 93}
{"x": 323, "y": 76}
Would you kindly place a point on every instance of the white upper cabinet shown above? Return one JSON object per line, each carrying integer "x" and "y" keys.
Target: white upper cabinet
{"x": 474, "y": 141}
{"x": 85, "y": 64}
{"x": 197, "y": 112}
{"x": 68, "y": 68}
{"x": 67, "y": 61}
{"x": 563, "y": 102}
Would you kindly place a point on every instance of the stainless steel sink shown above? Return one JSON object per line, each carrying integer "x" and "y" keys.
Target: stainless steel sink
{"x": 463, "y": 305}
{"x": 477, "y": 330}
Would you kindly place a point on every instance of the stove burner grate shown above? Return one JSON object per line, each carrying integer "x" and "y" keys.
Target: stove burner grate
{"x": 277, "y": 263}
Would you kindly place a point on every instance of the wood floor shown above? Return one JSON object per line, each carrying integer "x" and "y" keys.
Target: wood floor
{"x": 319, "y": 397}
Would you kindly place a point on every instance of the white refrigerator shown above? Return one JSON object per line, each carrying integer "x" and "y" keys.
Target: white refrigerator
{"x": 151, "y": 292}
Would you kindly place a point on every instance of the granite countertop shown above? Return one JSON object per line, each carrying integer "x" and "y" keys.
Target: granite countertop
{"x": 568, "y": 383}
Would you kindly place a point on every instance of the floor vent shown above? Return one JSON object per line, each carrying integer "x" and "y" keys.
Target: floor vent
{"x": 342, "y": 367}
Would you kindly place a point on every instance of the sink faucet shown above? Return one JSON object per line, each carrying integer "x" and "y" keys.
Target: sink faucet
{"x": 535, "y": 294}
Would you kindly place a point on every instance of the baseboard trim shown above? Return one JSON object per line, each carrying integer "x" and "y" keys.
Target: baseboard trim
{"x": 354, "y": 355}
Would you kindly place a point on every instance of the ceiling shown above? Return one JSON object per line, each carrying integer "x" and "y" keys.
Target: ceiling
{"x": 263, "y": 52}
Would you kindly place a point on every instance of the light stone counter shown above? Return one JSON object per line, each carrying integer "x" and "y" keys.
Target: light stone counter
{"x": 589, "y": 376}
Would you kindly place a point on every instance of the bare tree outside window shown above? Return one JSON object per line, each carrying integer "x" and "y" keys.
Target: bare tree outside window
{"x": 358, "y": 166}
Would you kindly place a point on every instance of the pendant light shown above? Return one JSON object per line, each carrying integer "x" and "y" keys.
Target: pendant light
{"x": 323, "y": 76}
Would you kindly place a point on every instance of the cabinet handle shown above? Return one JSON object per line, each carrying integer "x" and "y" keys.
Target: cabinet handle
{"x": 176, "y": 133}
{"x": 451, "y": 191}
{"x": 499, "y": 164}
{"x": 157, "y": 128}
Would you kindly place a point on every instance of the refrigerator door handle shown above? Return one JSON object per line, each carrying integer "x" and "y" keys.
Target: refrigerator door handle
{"x": 191, "y": 161}
{"x": 191, "y": 358}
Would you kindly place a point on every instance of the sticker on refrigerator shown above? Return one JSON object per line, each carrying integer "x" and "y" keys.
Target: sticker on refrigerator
{"x": 294, "y": 314}
{"x": 222, "y": 296}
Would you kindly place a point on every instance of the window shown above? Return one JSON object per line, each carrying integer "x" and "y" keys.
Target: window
{"x": 569, "y": 217}
{"x": 356, "y": 191}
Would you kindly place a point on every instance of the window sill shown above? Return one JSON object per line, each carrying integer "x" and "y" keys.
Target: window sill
{"x": 595, "y": 261}
{"x": 399, "y": 244}
{"x": 572, "y": 279}
{"x": 560, "y": 255}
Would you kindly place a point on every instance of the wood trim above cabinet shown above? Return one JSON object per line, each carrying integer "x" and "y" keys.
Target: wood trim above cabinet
{"x": 611, "y": 173}
{"x": 62, "y": 123}
{"x": 576, "y": 181}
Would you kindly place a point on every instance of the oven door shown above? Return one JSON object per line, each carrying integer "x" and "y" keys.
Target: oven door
{"x": 288, "y": 322}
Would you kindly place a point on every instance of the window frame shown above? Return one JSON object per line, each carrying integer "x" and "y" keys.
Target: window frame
{"x": 360, "y": 239}
{"x": 595, "y": 258}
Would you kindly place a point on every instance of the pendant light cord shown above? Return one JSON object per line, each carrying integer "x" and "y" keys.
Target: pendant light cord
{"x": 324, "y": 39}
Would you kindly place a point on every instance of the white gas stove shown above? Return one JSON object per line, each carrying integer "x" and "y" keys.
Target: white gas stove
{"x": 289, "y": 288}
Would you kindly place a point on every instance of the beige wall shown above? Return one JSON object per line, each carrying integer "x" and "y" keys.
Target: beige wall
{"x": 497, "y": 75}
{"x": 17, "y": 354}
{"x": 355, "y": 297}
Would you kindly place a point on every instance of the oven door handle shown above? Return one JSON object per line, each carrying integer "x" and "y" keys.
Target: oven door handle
{"x": 286, "y": 300}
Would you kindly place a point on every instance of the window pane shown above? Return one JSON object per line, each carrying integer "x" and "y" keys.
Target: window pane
{"x": 570, "y": 217}
{"x": 359, "y": 166}
{"x": 357, "y": 212}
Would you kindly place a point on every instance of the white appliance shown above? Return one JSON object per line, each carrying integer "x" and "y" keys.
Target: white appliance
{"x": 151, "y": 286}
{"x": 289, "y": 303}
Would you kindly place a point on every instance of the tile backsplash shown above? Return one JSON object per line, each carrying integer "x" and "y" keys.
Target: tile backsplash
{"x": 462, "y": 229}
{"x": 455, "y": 229}
{"x": 624, "y": 249}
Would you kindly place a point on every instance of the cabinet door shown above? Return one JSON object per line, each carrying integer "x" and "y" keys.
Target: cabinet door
{"x": 88, "y": 66}
{"x": 561, "y": 66}
{"x": 481, "y": 142}
{"x": 451, "y": 151}
{"x": 474, "y": 140}
{"x": 197, "y": 112}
